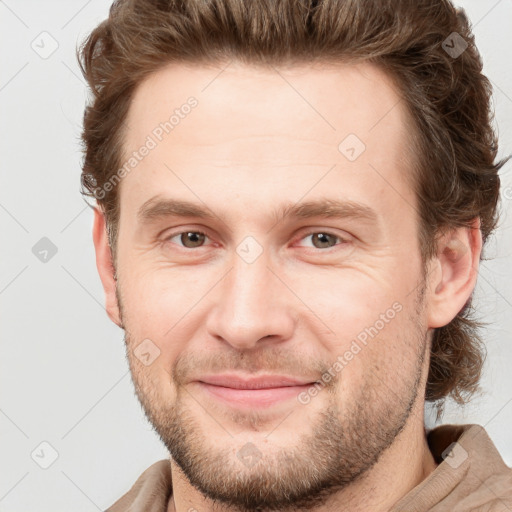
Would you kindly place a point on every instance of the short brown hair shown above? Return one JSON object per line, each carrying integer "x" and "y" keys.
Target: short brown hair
{"x": 455, "y": 175}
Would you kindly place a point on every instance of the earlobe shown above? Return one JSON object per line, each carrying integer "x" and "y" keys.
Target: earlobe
{"x": 105, "y": 266}
{"x": 458, "y": 260}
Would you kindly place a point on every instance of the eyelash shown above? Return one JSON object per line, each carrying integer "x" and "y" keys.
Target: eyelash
{"x": 343, "y": 241}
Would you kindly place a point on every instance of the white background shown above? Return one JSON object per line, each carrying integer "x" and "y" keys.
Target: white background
{"x": 64, "y": 377}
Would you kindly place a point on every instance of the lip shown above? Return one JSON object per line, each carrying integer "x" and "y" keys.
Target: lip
{"x": 251, "y": 382}
{"x": 253, "y": 392}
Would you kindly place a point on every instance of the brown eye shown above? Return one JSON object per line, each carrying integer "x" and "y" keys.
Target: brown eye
{"x": 323, "y": 240}
{"x": 194, "y": 238}
{"x": 189, "y": 239}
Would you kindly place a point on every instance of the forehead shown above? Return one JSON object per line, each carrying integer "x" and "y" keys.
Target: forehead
{"x": 251, "y": 126}
{"x": 331, "y": 100}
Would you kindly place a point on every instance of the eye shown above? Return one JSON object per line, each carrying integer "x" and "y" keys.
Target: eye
{"x": 323, "y": 239}
{"x": 196, "y": 239}
{"x": 189, "y": 239}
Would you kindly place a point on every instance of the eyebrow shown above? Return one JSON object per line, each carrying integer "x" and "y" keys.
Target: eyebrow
{"x": 158, "y": 208}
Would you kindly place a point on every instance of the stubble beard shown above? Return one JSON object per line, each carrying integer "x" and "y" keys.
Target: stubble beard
{"x": 336, "y": 450}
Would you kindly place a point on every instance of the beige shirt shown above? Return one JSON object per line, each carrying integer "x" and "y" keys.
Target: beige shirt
{"x": 471, "y": 477}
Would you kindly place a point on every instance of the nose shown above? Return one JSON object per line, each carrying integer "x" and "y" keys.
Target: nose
{"x": 253, "y": 306}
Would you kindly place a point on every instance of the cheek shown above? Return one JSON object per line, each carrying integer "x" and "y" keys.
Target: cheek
{"x": 367, "y": 324}
{"x": 383, "y": 357}
{"x": 162, "y": 307}
{"x": 346, "y": 301}
{"x": 154, "y": 301}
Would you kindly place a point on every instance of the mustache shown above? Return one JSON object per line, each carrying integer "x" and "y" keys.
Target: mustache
{"x": 188, "y": 366}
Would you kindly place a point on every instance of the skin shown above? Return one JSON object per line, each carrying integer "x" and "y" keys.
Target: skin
{"x": 258, "y": 139}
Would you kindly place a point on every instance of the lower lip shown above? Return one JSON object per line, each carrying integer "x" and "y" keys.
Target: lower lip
{"x": 254, "y": 397}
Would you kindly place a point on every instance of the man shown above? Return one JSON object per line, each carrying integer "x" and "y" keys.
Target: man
{"x": 292, "y": 201}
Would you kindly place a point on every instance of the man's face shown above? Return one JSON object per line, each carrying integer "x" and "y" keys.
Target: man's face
{"x": 250, "y": 293}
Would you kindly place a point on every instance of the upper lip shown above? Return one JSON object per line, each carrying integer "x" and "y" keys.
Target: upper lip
{"x": 252, "y": 382}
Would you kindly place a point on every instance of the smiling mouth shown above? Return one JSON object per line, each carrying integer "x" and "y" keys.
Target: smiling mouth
{"x": 253, "y": 395}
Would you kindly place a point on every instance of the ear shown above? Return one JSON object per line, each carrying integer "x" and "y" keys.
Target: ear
{"x": 452, "y": 278}
{"x": 105, "y": 266}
